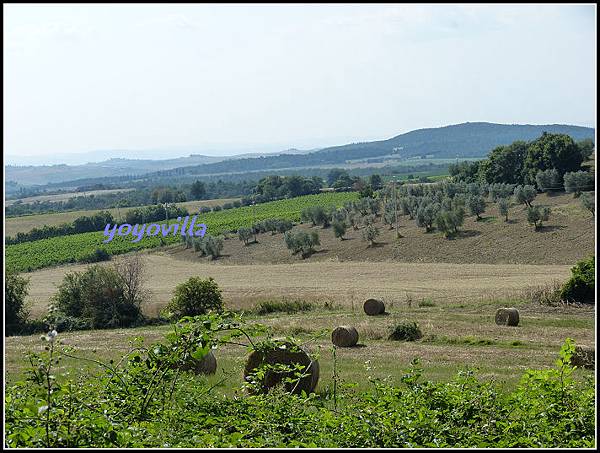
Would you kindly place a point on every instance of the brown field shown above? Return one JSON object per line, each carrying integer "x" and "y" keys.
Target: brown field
{"x": 320, "y": 281}
{"x": 23, "y": 224}
{"x": 565, "y": 238}
{"x": 65, "y": 196}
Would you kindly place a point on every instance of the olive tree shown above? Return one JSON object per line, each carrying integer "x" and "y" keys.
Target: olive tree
{"x": 525, "y": 194}
{"x": 503, "y": 207}
{"x": 426, "y": 215}
{"x": 587, "y": 201}
{"x": 213, "y": 246}
{"x": 448, "y": 221}
{"x": 548, "y": 180}
{"x": 578, "y": 181}
{"x": 339, "y": 229}
{"x": 537, "y": 214}
{"x": 245, "y": 234}
{"x": 370, "y": 233}
{"x": 476, "y": 205}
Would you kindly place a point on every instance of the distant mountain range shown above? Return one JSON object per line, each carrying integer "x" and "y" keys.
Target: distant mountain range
{"x": 27, "y": 175}
{"x": 464, "y": 140}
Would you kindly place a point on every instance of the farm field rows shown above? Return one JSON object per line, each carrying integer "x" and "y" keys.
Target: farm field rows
{"x": 66, "y": 196}
{"x": 29, "y": 256}
{"x": 26, "y": 223}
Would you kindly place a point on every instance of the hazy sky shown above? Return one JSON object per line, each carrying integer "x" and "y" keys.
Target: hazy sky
{"x": 81, "y": 78}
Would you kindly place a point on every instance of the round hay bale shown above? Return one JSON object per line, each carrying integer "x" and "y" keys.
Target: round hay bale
{"x": 507, "y": 317}
{"x": 344, "y": 336}
{"x": 583, "y": 357}
{"x": 374, "y": 307}
{"x": 285, "y": 356}
{"x": 208, "y": 364}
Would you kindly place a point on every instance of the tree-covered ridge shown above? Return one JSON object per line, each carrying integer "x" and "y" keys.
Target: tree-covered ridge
{"x": 462, "y": 140}
{"x": 543, "y": 162}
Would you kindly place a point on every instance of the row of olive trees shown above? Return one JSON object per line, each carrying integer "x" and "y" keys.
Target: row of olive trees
{"x": 207, "y": 245}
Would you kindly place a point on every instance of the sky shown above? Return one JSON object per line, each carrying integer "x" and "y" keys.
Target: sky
{"x": 221, "y": 79}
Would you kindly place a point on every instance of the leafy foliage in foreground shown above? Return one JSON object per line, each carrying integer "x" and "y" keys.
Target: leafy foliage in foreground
{"x": 145, "y": 400}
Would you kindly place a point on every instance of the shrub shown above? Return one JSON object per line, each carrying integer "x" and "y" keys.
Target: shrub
{"x": 196, "y": 297}
{"x": 15, "y": 291}
{"x": 339, "y": 229}
{"x": 97, "y": 298}
{"x": 217, "y": 208}
{"x": 580, "y": 287}
{"x": 537, "y": 214}
{"x": 503, "y": 207}
{"x": 587, "y": 201}
{"x": 548, "y": 180}
{"x": 405, "y": 331}
{"x": 578, "y": 181}
{"x": 525, "y": 194}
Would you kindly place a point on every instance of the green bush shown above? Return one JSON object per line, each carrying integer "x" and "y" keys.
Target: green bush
{"x": 196, "y": 297}
{"x": 405, "y": 331}
{"x": 97, "y": 298}
{"x": 15, "y": 291}
{"x": 580, "y": 287}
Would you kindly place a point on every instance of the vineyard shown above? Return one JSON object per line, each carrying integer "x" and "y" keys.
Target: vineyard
{"x": 30, "y": 256}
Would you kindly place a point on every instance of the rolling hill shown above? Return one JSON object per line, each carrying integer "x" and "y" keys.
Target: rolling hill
{"x": 466, "y": 140}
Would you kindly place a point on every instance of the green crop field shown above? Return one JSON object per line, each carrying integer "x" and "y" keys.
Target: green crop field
{"x": 34, "y": 255}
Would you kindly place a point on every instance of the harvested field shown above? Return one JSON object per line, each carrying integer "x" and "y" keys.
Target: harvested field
{"x": 346, "y": 284}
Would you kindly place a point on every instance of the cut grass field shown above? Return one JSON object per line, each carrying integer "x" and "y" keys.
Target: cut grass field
{"x": 454, "y": 339}
{"x": 23, "y": 224}
{"x": 342, "y": 283}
